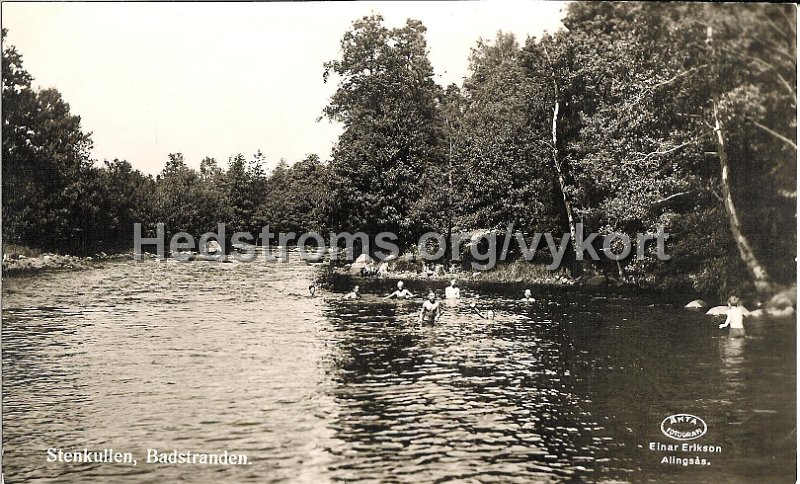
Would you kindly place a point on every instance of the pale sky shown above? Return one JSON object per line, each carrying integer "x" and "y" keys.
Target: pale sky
{"x": 213, "y": 79}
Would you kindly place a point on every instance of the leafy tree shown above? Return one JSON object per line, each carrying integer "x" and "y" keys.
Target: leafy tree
{"x": 297, "y": 197}
{"x": 125, "y": 198}
{"x": 386, "y": 100}
{"x": 502, "y": 173}
{"x": 176, "y": 195}
{"x": 440, "y": 206}
{"x": 45, "y": 154}
{"x": 650, "y": 97}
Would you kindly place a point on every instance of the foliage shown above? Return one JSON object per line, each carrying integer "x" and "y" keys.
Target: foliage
{"x": 642, "y": 91}
{"x": 297, "y": 197}
{"x": 501, "y": 173}
{"x": 387, "y": 101}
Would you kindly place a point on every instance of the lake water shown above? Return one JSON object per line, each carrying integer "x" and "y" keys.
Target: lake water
{"x": 210, "y": 357}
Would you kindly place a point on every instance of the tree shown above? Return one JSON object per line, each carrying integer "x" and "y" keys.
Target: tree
{"x": 45, "y": 158}
{"x": 647, "y": 100}
{"x": 502, "y": 175}
{"x": 743, "y": 100}
{"x": 440, "y": 206}
{"x": 124, "y": 199}
{"x": 177, "y": 189}
{"x": 298, "y": 197}
{"x": 386, "y": 100}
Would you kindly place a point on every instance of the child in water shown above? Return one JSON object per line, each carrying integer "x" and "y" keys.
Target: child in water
{"x": 489, "y": 312}
{"x": 401, "y": 292}
{"x": 452, "y": 291}
{"x": 352, "y": 294}
{"x": 736, "y": 313}
{"x": 528, "y": 297}
{"x": 431, "y": 311}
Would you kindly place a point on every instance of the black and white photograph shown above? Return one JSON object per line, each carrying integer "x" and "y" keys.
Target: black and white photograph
{"x": 401, "y": 242}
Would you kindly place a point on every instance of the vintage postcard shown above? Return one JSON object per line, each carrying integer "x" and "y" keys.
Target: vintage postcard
{"x": 399, "y": 242}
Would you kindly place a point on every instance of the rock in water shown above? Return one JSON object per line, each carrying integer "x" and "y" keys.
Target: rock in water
{"x": 784, "y": 299}
{"x": 696, "y": 304}
{"x": 595, "y": 281}
{"x": 360, "y": 264}
{"x": 783, "y": 303}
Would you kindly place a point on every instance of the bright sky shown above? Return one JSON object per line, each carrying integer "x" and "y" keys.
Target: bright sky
{"x": 213, "y": 79}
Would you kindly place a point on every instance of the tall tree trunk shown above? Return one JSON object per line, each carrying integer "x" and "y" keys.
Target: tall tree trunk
{"x": 761, "y": 278}
{"x": 556, "y": 159}
{"x": 448, "y": 250}
{"x": 561, "y": 180}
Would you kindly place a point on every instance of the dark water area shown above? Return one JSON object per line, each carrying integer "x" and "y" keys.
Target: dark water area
{"x": 211, "y": 357}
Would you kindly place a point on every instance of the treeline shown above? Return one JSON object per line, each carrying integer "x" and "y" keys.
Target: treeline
{"x": 56, "y": 198}
{"x": 635, "y": 116}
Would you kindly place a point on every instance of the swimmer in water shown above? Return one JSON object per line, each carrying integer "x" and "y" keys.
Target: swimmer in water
{"x": 352, "y": 294}
{"x": 489, "y": 312}
{"x": 527, "y": 297}
{"x": 736, "y": 313}
{"x": 400, "y": 293}
{"x": 312, "y": 289}
{"x": 452, "y": 291}
{"x": 431, "y": 311}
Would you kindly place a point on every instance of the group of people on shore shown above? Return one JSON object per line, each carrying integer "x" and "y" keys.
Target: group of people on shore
{"x": 431, "y": 309}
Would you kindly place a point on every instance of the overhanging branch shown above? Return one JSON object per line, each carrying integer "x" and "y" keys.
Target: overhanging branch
{"x": 775, "y": 134}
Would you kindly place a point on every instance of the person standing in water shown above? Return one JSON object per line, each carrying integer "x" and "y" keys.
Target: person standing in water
{"x": 736, "y": 313}
{"x": 352, "y": 294}
{"x": 528, "y": 297}
{"x": 452, "y": 291}
{"x": 401, "y": 292}
{"x": 431, "y": 311}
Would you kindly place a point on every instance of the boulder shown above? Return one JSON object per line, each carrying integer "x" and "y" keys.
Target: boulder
{"x": 784, "y": 299}
{"x": 696, "y": 304}
{"x": 383, "y": 269}
{"x": 780, "y": 312}
{"x": 362, "y": 262}
{"x": 783, "y": 303}
{"x": 594, "y": 281}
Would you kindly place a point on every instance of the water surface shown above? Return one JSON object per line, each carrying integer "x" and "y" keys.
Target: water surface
{"x": 211, "y": 357}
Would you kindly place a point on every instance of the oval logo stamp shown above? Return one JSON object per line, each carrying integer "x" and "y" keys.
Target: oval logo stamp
{"x": 684, "y": 426}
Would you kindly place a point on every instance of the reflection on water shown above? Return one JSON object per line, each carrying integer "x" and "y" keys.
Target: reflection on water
{"x": 212, "y": 357}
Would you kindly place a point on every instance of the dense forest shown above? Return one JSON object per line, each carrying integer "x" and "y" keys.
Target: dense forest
{"x": 634, "y": 116}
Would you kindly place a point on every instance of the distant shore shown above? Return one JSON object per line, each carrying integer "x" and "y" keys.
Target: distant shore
{"x": 519, "y": 273}
{"x": 23, "y": 261}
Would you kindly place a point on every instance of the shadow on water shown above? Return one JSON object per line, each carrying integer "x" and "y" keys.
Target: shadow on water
{"x": 212, "y": 357}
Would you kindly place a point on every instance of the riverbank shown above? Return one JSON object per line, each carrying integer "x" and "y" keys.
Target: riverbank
{"x": 511, "y": 279}
{"x": 781, "y": 305}
{"x": 514, "y": 276}
{"x": 16, "y": 264}
{"x": 24, "y": 261}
